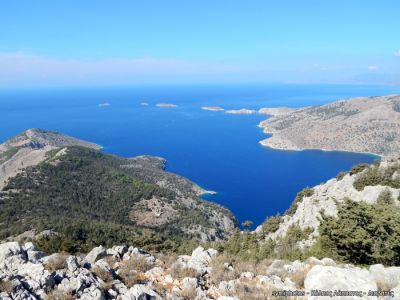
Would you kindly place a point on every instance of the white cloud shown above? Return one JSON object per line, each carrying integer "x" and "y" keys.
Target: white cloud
{"x": 397, "y": 53}
{"x": 372, "y": 68}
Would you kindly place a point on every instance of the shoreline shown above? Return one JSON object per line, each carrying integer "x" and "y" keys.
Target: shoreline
{"x": 317, "y": 149}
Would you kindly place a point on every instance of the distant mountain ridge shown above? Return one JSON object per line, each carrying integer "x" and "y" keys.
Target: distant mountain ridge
{"x": 370, "y": 125}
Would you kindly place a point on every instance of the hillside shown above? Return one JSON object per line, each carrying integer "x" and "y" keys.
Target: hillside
{"x": 29, "y": 148}
{"x": 342, "y": 235}
{"x": 90, "y": 198}
{"x": 359, "y": 125}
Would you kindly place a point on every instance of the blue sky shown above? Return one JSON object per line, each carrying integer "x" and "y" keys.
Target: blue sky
{"x": 135, "y": 42}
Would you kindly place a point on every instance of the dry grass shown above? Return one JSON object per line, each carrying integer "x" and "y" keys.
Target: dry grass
{"x": 131, "y": 277}
{"x": 6, "y": 286}
{"x": 250, "y": 291}
{"x": 220, "y": 273}
{"x": 59, "y": 295}
{"x": 166, "y": 261}
{"x": 182, "y": 272}
{"x": 132, "y": 271}
{"x": 111, "y": 260}
{"x": 137, "y": 263}
{"x": 188, "y": 293}
{"x": 104, "y": 275}
{"x": 299, "y": 277}
{"x": 57, "y": 262}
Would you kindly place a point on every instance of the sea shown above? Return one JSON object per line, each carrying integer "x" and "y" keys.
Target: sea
{"x": 218, "y": 151}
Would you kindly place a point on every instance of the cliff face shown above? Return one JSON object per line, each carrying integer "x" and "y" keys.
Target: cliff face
{"x": 364, "y": 183}
{"x": 54, "y": 182}
{"x": 359, "y": 125}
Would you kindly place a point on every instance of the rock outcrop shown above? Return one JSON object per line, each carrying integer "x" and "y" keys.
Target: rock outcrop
{"x": 125, "y": 273}
{"x": 369, "y": 125}
{"x": 325, "y": 198}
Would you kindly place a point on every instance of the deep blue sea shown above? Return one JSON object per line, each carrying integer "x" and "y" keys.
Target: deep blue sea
{"x": 218, "y": 151}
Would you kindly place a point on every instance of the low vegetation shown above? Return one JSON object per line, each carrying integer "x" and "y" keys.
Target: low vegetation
{"x": 376, "y": 176}
{"x": 307, "y": 192}
{"x": 271, "y": 224}
{"x": 361, "y": 234}
{"x": 86, "y": 198}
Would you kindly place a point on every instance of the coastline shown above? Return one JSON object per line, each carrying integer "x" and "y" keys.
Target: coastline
{"x": 200, "y": 191}
{"x": 264, "y": 144}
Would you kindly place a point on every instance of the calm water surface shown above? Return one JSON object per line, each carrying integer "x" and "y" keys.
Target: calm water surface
{"x": 218, "y": 151}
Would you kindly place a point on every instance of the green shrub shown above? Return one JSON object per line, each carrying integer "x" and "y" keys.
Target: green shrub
{"x": 271, "y": 224}
{"x": 307, "y": 192}
{"x": 361, "y": 234}
{"x": 374, "y": 176}
{"x": 287, "y": 246}
{"x": 340, "y": 176}
{"x": 358, "y": 168}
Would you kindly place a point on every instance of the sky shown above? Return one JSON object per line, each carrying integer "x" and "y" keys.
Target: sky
{"x": 61, "y": 43}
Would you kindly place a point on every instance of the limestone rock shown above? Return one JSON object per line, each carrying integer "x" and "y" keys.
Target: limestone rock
{"x": 328, "y": 278}
{"x": 388, "y": 278}
{"x": 201, "y": 258}
{"x": 140, "y": 292}
{"x": 96, "y": 254}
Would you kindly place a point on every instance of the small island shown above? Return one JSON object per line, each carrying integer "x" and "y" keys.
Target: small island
{"x": 212, "y": 108}
{"x": 166, "y": 105}
{"x": 243, "y": 111}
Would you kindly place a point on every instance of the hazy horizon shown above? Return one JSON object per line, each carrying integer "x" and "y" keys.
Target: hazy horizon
{"x": 226, "y": 42}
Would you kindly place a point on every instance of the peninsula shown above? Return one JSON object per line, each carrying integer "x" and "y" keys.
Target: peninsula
{"x": 366, "y": 125}
{"x": 48, "y": 180}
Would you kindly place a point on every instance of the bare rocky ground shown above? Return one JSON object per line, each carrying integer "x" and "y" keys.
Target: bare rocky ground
{"x": 325, "y": 198}
{"x": 124, "y": 273}
{"x": 359, "y": 125}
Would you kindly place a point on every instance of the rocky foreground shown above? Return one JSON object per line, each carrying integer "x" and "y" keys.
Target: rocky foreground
{"x": 359, "y": 125}
{"x": 130, "y": 273}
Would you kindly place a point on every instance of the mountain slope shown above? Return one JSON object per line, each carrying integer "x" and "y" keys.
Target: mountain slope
{"x": 359, "y": 125}
{"x": 93, "y": 198}
{"x": 29, "y": 148}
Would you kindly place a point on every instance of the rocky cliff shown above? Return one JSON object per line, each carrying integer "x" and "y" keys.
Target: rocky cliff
{"x": 359, "y": 125}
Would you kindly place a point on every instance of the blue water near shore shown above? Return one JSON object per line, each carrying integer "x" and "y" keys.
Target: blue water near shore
{"x": 218, "y": 151}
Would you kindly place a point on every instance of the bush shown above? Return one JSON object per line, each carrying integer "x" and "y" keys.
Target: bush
{"x": 361, "y": 234}
{"x": 180, "y": 272}
{"x": 358, "y": 168}
{"x": 287, "y": 247}
{"x": 58, "y": 295}
{"x": 271, "y": 224}
{"x": 56, "y": 262}
{"x": 307, "y": 192}
{"x": 6, "y": 286}
{"x": 374, "y": 176}
{"x": 104, "y": 275}
{"x": 385, "y": 197}
{"x": 340, "y": 176}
